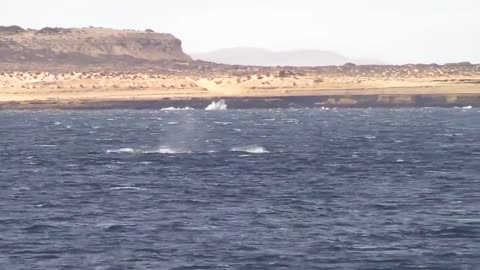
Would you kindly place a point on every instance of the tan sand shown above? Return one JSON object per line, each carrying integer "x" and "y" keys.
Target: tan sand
{"x": 29, "y": 86}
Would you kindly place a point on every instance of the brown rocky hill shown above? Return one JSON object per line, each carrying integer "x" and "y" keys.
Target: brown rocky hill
{"x": 83, "y": 46}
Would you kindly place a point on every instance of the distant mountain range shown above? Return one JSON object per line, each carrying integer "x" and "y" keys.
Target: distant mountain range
{"x": 264, "y": 57}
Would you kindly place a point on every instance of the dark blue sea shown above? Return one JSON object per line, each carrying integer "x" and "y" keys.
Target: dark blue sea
{"x": 240, "y": 189}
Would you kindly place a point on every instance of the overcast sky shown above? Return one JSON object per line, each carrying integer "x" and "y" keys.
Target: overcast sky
{"x": 397, "y": 32}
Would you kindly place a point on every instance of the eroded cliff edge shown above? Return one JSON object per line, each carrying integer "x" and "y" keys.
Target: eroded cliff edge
{"x": 84, "y": 46}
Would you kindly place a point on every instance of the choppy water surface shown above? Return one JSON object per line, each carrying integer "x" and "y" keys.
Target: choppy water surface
{"x": 260, "y": 189}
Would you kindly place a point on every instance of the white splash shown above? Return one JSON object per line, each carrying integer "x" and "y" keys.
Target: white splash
{"x": 176, "y": 109}
{"x": 167, "y": 150}
{"x": 121, "y": 150}
{"x": 252, "y": 149}
{"x": 222, "y": 123}
{"x": 217, "y": 106}
{"x": 467, "y": 107}
{"x": 161, "y": 150}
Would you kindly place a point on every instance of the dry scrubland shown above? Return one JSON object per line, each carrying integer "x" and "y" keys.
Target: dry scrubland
{"x": 96, "y": 64}
{"x": 254, "y": 82}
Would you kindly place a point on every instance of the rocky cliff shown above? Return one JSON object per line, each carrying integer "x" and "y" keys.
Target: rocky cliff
{"x": 77, "y": 46}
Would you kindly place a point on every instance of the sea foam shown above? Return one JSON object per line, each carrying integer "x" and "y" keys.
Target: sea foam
{"x": 160, "y": 150}
{"x": 121, "y": 150}
{"x": 167, "y": 150}
{"x": 252, "y": 149}
{"x": 176, "y": 109}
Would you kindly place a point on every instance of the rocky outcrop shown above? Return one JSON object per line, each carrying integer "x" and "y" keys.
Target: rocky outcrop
{"x": 14, "y": 29}
{"x": 79, "y": 46}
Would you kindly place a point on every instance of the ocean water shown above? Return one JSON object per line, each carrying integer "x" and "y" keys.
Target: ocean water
{"x": 251, "y": 189}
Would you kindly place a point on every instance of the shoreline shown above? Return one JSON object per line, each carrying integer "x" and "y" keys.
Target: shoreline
{"x": 245, "y": 88}
{"x": 255, "y": 102}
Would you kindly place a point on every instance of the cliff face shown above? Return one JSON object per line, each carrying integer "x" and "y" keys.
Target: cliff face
{"x": 87, "y": 46}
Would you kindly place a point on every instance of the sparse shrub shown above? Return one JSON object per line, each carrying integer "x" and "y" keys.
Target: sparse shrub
{"x": 14, "y": 29}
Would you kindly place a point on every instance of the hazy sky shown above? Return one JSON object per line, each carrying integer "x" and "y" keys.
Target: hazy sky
{"x": 395, "y": 31}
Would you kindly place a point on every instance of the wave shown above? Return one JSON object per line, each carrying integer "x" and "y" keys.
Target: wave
{"x": 252, "y": 149}
{"x": 167, "y": 150}
{"x": 170, "y": 151}
{"x": 113, "y": 226}
{"x": 176, "y": 109}
{"x": 121, "y": 150}
{"x": 40, "y": 228}
{"x": 223, "y": 123}
{"x": 161, "y": 150}
{"x": 47, "y": 145}
{"x": 217, "y": 106}
{"x": 126, "y": 188}
{"x": 21, "y": 188}
{"x": 465, "y": 107}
